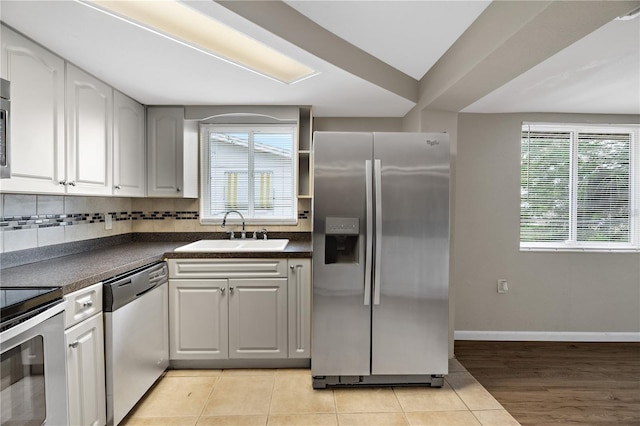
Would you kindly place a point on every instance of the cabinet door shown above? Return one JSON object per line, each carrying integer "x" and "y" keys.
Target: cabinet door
{"x": 128, "y": 147}
{"x": 299, "y": 293}
{"x": 258, "y": 318}
{"x": 37, "y": 115}
{"x": 85, "y": 372}
{"x": 165, "y": 142}
{"x": 89, "y": 134}
{"x": 198, "y": 319}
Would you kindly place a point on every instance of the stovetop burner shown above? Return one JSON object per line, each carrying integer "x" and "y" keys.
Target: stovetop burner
{"x": 18, "y": 304}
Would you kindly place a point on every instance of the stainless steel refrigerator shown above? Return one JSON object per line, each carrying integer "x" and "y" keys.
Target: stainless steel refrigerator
{"x": 380, "y": 258}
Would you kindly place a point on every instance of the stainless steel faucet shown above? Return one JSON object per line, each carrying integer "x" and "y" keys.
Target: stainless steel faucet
{"x": 243, "y": 234}
{"x": 263, "y": 231}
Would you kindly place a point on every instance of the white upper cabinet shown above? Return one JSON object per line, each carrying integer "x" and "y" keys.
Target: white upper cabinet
{"x": 128, "y": 147}
{"x": 89, "y": 134}
{"x": 172, "y": 154}
{"x": 37, "y": 121}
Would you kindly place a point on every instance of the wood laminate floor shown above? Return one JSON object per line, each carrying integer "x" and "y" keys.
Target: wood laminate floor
{"x": 559, "y": 383}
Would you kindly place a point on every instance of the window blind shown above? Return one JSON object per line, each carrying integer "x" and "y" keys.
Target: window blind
{"x": 250, "y": 169}
{"x": 579, "y": 187}
{"x": 545, "y": 186}
{"x": 603, "y": 187}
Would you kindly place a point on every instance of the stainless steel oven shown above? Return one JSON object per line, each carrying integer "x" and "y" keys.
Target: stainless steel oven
{"x": 33, "y": 384}
{"x": 5, "y": 129}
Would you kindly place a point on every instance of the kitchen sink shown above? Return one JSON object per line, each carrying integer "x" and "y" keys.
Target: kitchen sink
{"x": 237, "y": 245}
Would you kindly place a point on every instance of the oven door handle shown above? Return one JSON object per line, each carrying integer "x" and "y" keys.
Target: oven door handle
{"x": 32, "y": 322}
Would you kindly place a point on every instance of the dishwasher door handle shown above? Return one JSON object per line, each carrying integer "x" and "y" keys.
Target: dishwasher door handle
{"x": 148, "y": 290}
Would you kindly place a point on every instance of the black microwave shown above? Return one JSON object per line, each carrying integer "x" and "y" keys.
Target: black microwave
{"x": 5, "y": 129}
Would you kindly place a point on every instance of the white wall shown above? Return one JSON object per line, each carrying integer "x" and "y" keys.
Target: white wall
{"x": 551, "y": 292}
{"x": 357, "y": 124}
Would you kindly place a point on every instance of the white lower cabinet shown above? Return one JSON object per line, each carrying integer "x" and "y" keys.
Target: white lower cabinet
{"x": 258, "y": 318}
{"x": 198, "y": 320}
{"x": 85, "y": 372}
{"x": 239, "y": 309}
{"x": 84, "y": 339}
{"x": 299, "y": 293}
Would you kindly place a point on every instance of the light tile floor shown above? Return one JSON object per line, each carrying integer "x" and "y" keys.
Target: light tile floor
{"x": 285, "y": 397}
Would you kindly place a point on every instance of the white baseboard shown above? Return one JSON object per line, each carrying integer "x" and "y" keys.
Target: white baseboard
{"x": 550, "y": 336}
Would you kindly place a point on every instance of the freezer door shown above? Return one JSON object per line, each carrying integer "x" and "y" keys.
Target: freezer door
{"x": 341, "y": 329}
{"x": 410, "y": 311}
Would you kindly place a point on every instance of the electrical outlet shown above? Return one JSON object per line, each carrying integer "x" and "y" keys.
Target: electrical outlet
{"x": 108, "y": 221}
{"x": 503, "y": 286}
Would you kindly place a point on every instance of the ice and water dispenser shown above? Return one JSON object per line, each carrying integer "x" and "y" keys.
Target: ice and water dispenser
{"x": 341, "y": 240}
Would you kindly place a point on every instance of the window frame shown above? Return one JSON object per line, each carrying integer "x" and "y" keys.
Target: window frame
{"x": 572, "y": 245}
{"x": 205, "y": 173}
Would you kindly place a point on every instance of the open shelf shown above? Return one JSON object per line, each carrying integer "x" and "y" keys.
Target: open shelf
{"x": 305, "y": 161}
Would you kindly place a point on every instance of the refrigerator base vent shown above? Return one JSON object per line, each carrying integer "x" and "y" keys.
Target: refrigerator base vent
{"x": 432, "y": 380}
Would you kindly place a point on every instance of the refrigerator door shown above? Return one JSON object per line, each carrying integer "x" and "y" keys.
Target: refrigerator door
{"x": 410, "y": 311}
{"x": 341, "y": 317}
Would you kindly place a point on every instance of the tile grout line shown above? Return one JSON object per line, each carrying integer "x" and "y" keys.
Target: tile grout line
{"x": 273, "y": 389}
{"x": 209, "y": 396}
{"x": 404, "y": 413}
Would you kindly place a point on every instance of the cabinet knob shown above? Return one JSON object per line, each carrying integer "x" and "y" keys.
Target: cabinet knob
{"x": 117, "y": 187}
{"x": 74, "y": 344}
{"x": 72, "y": 183}
{"x": 222, "y": 289}
{"x": 231, "y": 289}
{"x": 178, "y": 189}
{"x": 87, "y": 304}
{"x": 63, "y": 182}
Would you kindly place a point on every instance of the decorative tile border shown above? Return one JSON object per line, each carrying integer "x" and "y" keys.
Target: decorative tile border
{"x": 14, "y": 223}
{"x": 161, "y": 215}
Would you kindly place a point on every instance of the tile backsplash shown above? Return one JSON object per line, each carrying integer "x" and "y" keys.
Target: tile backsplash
{"x": 29, "y": 220}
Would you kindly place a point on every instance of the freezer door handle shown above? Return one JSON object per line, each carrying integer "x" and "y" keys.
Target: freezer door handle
{"x": 369, "y": 227}
{"x": 377, "y": 169}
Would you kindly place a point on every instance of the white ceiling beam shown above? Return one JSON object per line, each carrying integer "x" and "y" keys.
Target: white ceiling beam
{"x": 507, "y": 39}
{"x": 286, "y": 22}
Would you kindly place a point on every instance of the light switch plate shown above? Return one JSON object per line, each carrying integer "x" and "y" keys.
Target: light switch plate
{"x": 503, "y": 286}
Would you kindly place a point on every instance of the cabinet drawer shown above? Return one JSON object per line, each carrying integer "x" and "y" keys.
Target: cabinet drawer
{"x": 227, "y": 268}
{"x": 82, "y": 304}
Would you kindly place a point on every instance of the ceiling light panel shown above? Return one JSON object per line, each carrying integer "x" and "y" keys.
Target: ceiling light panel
{"x": 179, "y": 22}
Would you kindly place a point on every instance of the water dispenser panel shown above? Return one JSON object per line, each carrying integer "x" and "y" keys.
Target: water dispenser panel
{"x": 342, "y": 226}
{"x": 341, "y": 240}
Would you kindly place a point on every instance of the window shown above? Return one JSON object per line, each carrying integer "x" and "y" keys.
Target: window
{"x": 250, "y": 169}
{"x": 579, "y": 187}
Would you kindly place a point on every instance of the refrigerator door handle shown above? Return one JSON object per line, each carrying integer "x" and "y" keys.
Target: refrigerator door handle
{"x": 377, "y": 169}
{"x": 369, "y": 227}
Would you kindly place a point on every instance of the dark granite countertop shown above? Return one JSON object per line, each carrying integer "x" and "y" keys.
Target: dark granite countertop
{"x": 76, "y": 271}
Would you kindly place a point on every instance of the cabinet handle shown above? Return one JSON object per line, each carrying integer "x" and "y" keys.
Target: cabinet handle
{"x": 117, "y": 187}
{"x": 72, "y": 183}
{"x": 87, "y": 304}
{"x": 74, "y": 344}
{"x": 63, "y": 182}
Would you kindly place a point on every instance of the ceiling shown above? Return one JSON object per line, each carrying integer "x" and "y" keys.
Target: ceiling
{"x": 371, "y": 56}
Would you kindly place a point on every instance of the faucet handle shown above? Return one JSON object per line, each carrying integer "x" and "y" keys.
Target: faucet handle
{"x": 264, "y": 233}
{"x": 232, "y": 236}
{"x": 243, "y": 234}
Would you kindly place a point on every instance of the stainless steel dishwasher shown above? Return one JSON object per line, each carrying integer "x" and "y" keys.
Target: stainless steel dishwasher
{"x": 136, "y": 318}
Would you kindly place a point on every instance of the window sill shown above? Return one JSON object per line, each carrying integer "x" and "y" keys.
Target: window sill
{"x": 581, "y": 249}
